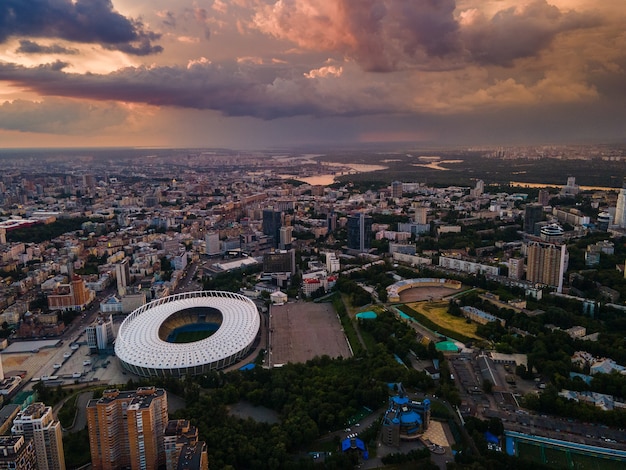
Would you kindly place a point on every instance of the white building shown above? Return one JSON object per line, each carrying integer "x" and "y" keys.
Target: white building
{"x": 332, "y": 263}
{"x": 286, "y": 237}
{"x": 468, "y": 266}
{"x": 620, "y": 210}
{"x": 212, "y": 240}
{"x": 37, "y": 423}
{"x": 100, "y": 334}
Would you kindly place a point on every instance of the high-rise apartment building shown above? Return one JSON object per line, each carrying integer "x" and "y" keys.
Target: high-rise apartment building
{"x": 396, "y": 189}
{"x": 36, "y": 423}
{"x": 212, "y": 240}
{"x": 421, "y": 215}
{"x": 183, "y": 448}
{"x": 286, "y": 238}
{"x": 546, "y": 264}
{"x": 620, "y": 209}
{"x": 516, "y": 268}
{"x": 126, "y": 429}
{"x": 17, "y": 453}
{"x": 332, "y": 263}
{"x": 359, "y": 232}
{"x": 122, "y": 275}
{"x": 544, "y": 197}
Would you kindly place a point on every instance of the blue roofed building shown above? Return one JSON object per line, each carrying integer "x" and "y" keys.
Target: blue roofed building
{"x": 405, "y": 419}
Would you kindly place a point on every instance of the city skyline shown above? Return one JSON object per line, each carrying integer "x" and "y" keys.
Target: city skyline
{"x": 252, "y": 73}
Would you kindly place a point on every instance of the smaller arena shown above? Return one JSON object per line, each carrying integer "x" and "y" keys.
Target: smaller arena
{"x": 436, "y": 286}
{"x": 187, "y": 334}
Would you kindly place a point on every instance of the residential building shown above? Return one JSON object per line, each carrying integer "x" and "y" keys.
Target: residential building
{"x": 571, "y": 188}
{"x": 544, "y": 197}
{"x": 182, "y": 448}
{"x": 546, "y": 264}
{"x": 72, "y": 296}
{"x": 17, "y": 453}
{"x": 286, "y": 238}
{"x": 126, "y": 429}
{"x": 122, "y": 275}
{"x": 332, "y": 263}
{"x": 620, "y": 209}
{"x": 468, "y": 266}
{"x": 36, "y": 423}
{"x": 396, "y": 190}
{"x": 516, "y": 268}
{"x": 212, "y": 240}
{"x": 421, "y": 215}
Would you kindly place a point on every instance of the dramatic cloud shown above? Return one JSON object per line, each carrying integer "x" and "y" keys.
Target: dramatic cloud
{"x": 449, "y": 69}
{"x": 82, "y": 21}
{"x": 386, "y": 35}
{"x": 235, "y": 89}
{"x": 379, "y": 34}
{"x": 31, "y": 47}
{"x": 517, "y": 32}
{"x": 56, "y": 116}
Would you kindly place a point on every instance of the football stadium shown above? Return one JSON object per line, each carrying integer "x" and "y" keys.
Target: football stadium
{"x": 187, "y": 334}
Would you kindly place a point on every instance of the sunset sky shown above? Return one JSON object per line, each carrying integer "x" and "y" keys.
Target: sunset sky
{"x": 268, "y": 73}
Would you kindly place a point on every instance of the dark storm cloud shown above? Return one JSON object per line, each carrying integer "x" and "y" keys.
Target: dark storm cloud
{"x": 381, "y": 35}
{"x": 31, "y": 47}
{"x": 83, "y": 21}
{"x": 388, "y": 35}
{"x": 516, "y": 33}
{"x": 227, "y": 88}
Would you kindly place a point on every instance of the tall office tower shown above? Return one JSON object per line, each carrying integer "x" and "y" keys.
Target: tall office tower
{"x": 620, "y": 209}
{"x": 546, "y": 264}
{"x": 533, "y": 213}
{"x": 543, "y": 197}
{"x": 421, "y": 215}
{"x": 359, "y": 232}
{"x": 37, "y": 423}
{"x": 212, "y": 240}
{"x": 126, "y": 429}
{"x": 396, "y": 189}
{"x": 272, "y": 223}
{"x": 182, "y": 448}
{"x": 122, "y": 275}
{"x": 17, "y": 453}
{"x": 100, "y": 333}
{"x": 331, "y": 220}
{"x": 286, "y": 238}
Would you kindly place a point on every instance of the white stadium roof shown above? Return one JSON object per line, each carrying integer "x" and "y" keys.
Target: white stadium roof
{"x": 142, "y": 351}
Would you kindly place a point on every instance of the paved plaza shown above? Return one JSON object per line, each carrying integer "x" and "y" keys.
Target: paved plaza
{"x": 302, "y": 330}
